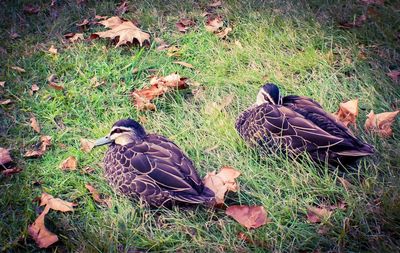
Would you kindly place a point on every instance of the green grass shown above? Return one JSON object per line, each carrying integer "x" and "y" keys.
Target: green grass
{"x": 298, "y": 46}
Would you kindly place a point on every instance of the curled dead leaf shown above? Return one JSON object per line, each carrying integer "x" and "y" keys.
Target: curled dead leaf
{"x": 317, "y": 214}
{"x": 42, "y": 236}
{"x": 18, "y": 69}
{"x": 74, "y": 37}
{"x": 248, "y": 216}
{"x": 69, "y": 164}
{"x": 96, "y": 196}
{"x": 5, "y": 102}
{"x": 34, "y": 124}
{"x": 2, "y": 83}
{"x": 56, "y": 204}
{"x": 87, "y": 145}
{"x": 185, "y": 64}
{"x": 11, "y": 171}
{"x": 213, "y": 24}
{"x": 381, "y": 123}
{"x": 224, "y": 32}
{"x": 53, "y": 50}
{"x": 173, "y": 51}
{"x": 348, "y": 112}
{"x": 184, "y": 24}
{"x": 5, "y": 157}
{"x": 34, "y": 88}
{"x": 222, "y": 182}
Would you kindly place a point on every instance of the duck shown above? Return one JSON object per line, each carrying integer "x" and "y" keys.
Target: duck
{"x": 151, "y": 168}
{"x": 296, "y": 125}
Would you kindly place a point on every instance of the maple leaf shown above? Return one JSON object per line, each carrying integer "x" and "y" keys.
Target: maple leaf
{"x": 69, "y": 164}
{"x": 317, "y": 214}
{"x": 53, "y": 50}
{"x": 248, "y": 216}
{"x": 394, "y": 75}
{"x": 158, "y": 87}
{"x": 34, "y": 124}
{"x": 5, "y": 157}
{"x": 358, "y": 22}
{"x": 184, "y": 24}
{"x": 381, "y": 123}
{"x": 222, "y": 182}
{"x": 214, "y": 23}
{"x": 11, "y": 171}
{"x": 74, "y": 37}
{"x": 122, "y": 31}
{"x": 348, "y": 112}
{"x": 87, "y": 145}
{"x": 38, "y": 231}
{"x": 96, "y": 196}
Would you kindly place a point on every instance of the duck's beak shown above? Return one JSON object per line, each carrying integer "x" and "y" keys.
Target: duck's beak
{"x": 102, "y": 141}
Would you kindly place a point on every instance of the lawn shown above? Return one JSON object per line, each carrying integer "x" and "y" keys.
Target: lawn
{"x": 295, "y": 44}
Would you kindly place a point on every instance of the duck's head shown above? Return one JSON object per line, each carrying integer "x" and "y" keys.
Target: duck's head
{"x": 123, "y": 132}
{"x": 269, "y": 93}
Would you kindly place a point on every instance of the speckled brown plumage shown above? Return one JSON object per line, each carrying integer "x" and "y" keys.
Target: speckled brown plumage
{"x": 296, "y": 125}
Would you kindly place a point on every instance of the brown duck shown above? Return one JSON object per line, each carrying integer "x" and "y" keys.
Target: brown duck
{"x": 295, "y": 125}
{"x": 151, "y": 167}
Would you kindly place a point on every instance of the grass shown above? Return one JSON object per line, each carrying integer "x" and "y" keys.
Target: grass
{"x": 296, "y": 45}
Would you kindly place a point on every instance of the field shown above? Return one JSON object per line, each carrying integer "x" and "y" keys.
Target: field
{"x": 298, "y": 45}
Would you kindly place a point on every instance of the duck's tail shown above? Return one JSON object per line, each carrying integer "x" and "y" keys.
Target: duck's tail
{"x": 364, "y": 150}
{"x": 207, "y": 197}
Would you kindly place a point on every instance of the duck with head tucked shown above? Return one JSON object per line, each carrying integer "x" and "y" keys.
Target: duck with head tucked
{"x": 151, "y": 167}
{"x": 296, "y": 125}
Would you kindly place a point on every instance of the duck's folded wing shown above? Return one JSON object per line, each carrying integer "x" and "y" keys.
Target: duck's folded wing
{"x": 300, "y": 102}
{"x": 166, "y": 164}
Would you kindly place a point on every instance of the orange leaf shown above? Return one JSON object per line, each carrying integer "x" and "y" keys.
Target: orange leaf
{"x": 96, "y": 196}
{"x": 222, "y": 182}
{"x": 69, "y": 164}
{"x": 248, "y": 216}
{"x": 316, "y": 214}
{"x": 381, "y": 123}
{"x": 348, "y": 112}
{"x": 5, "y": 157}
{"x": 34, "y": 124}
{"x": 42, "y": 236}
{"x": 56, "y": 204}
{"x": 87, "y": 145}
{"x": 9, "y": 172}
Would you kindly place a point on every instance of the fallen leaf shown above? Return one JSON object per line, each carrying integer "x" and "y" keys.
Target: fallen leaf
{"x": 53, "y": 50}
{"x": 158, "y": 87}
{"x": 2, "y": 83}
{"x": 18, "y": 69}
{"x": 88, "y": 170}
{"x": 224, "y": 32}
{"x": 214, "y": 23}
{"x": 381, "y": 123}
{"x": 34, "y": 124}
{"x": 124, "y": 32}
{"x": 31, "y": 9}
{"x": 4, "y": 157}
{"x": 56, "y": 86}
{"x": 87, "y": 145}
{"x": 358, "y": 22}
{"x": 83, "y": 23}
{"x": 42, "y": 236}
{"x": 184, "y": 24}
{"x": 56, "y": 204}
{"x": 96, "y": 196}
{"x": 34, "y": 87}
{"x": 5, "y": 102}
{"x": 248, "y": 216}
{"x": 11, "y": 171}
{"x": 394, "y": 75}
{"x": 222, "y": 182}
{"x": 348, "y": 112}
{"x": 317, "y": 214}
{"x": 185, "y": 64}
{"x": 173, "y": 52}
{"x": 215, "y": 4}
{"x": 74, "y": 37}
{"x": 69, "y": 164}
{"x": 122, "y": 8}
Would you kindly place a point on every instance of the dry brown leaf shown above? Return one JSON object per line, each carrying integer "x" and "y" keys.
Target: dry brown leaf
{"x": 30, "y": 9}
{"x": 34, "y": 88}
{"x": 358, "y": 22}
{"x": 184, "y": 24}
{"x": 11, "y": 171}
{"x": 222, "y": 182}
{"x": 74, "y": 37}
{"x": 158, "y": 87}
{"x": 317, "y": 214}
{"x": 348, "y": 112}
{"x": 87, "y": 145}
{"x": 224, "y": 32}
{"x": 394, "y": 75}
{"x": 5, "y": 102}
{"x": 56, "y": 204}
{"x": 214, "y": 23}
{"x": 2, "y": 83}
{"x": 42, "y": 236}
{"x": 88, "y": 170}
{"x": 5, "y": 157}
{"x": 18, "y": 69}
{"x": 53, "y": 50}
{"x": 56, "y": 86}
{"x": 248, "y": 216}
{"x": 185, "y": 64}
{"x": 69, "y": 164}
{"x": 34, "y": 124}
{"x": 122, "y": 31}
{"x": 215, "y": 4}
{"x": 96, "y": 196}
{"x": 381, "y": 123}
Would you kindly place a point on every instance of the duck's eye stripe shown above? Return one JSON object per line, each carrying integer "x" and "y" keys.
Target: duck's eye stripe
{"x": 117, "y": 131}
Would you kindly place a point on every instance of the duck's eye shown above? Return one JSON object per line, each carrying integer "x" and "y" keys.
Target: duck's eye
{"x": 117, "y": 131}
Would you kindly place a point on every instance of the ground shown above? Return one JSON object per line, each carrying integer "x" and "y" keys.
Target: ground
{"x": 295, "y": 44}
